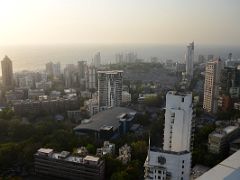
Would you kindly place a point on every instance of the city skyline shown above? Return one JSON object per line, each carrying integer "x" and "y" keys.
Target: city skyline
{"x": 114, "y": 22}
{"x": 130, "y": 89}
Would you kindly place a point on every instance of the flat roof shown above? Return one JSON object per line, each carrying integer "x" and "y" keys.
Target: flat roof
{"x": 103, "y": 119}
{"x": 230, "y": 129}
{"x": 66, "y": 156}
{"x": 45, "y": 150}
{"x": 225, "y": 131}
{"x": 236, "y": 141}
{"x": 199, "y": 170}
{"x": 91, "y": 158}
{"x": 229, "y": 169}
{"x": 111, "y": 72}
{"x": 179, "y": 93}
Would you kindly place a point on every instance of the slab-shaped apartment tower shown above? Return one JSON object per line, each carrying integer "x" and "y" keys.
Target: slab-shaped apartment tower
{"x": 174, "y": 160}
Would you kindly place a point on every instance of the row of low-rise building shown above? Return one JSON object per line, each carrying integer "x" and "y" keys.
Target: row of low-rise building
{"x": 65, "y": 165}
{"x": 45, "y": 106}
{"x": 79, "y": 164}
{"x": 124, "y": 152}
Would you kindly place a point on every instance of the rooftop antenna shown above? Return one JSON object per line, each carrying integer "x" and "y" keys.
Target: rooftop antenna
{"x": 149, "y": 145}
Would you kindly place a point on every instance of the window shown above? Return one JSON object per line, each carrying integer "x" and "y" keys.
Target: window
{"x": 182, "y": 99}
{"x": 183, "y": 161}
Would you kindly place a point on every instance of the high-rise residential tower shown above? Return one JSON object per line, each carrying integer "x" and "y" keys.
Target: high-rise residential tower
{"x": 7, "y": 73}
{"x": 109, "y": 89}
{"x": 174, "y": 160}
{"x": 53, "y": 69}
{"x": 119, "y": 58}
{"x": 97, "y": 60}
{"x": 211, "y": 85}
{"x": 91, "y": 78}
{"x": 190, "y": 60}
{"x": 82, "y": 74}
{"x": 70, "y": 76}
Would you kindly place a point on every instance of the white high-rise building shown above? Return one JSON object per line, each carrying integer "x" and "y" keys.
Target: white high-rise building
{"x": 178, "y": 122}
{"x": 211, "y": 85}
{"x": 174, "y": 160}
{"x": 109, "y": 89}
{"x": 189, "y": 60}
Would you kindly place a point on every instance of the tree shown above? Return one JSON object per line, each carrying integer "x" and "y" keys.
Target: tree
{"x": 134, "y": 169}
{"x": 112, "y": 166}
{"x": 142, "y": 119}
{"x": 8, "y": 155}
{"x": 91, "y": 148}
{"x": 6, "y": 113}
{"x": 122, "y": 175}
{"x": 155, "y": 101}
{"x": 139, "y": 150}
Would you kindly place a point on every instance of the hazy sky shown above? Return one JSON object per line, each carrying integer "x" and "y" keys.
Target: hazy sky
{"x": 119, "y": 21}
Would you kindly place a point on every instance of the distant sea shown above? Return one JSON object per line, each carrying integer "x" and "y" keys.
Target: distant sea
{"x": 34, "y": 57}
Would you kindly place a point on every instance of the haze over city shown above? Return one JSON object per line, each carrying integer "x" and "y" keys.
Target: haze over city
{"x": 214, "y": 22}
{"x": 120, "y": 89}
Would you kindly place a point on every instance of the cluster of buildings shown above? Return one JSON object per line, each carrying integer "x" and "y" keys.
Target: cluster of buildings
{"x": 65, "y": 165}
{"x": 222, "y": 85}
{"x": 104, "y": 94}
{"x": 78, "y": 165}
{"x": 82, "y": 76}
{"x": 124, "y": 154}
{"x": 36, "y": 92}
{"x": 45, "y": 106}
{"x": 129, "y": 57}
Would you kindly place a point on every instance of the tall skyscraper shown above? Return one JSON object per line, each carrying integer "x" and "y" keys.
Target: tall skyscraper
{"x": 7, "y": 73}
{"x": 190, "y": 60}
{"x": 109, "y": 89}
{"x": 91, "y": 78}
{"x": 97, "y": 60}
{"x": 57, "y": 69}
{"x": 211, "y": 85}
{"x": 174, "y": 160}
{"x": 82, "y": 74}
{"x": 70, "y": 76}
{"x": 119, "y": 58}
